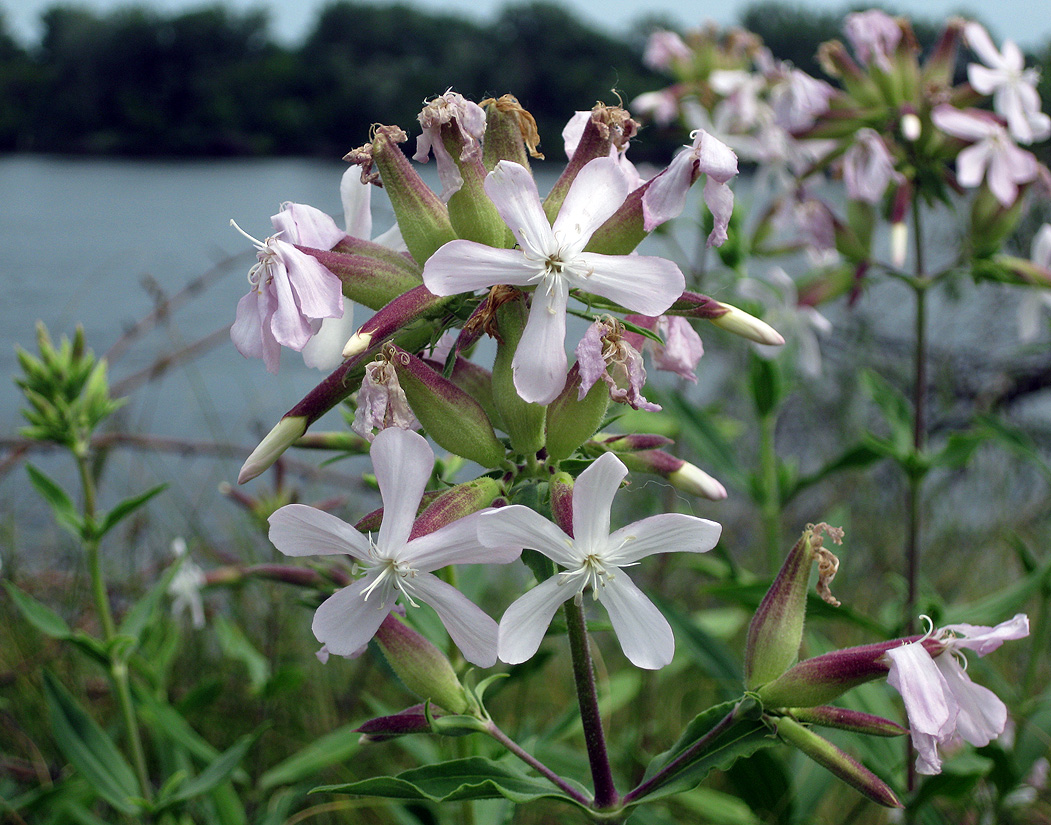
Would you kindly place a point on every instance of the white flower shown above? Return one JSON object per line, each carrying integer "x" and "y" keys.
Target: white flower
{"x": 874, "y": 34}
{"x": 594, "y": 558}
{"x": 940, "y": 699}
{"x": 552, "y": 258}
{"x": 185, "y": 586}
{"x": 394, "y": 564}
{"x": 868, "y": 167}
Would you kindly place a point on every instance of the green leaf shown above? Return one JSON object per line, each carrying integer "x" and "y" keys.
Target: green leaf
{"x": 743, "y": 738}
{"x": 215, "y": 773}
{"x": 896, "y": 410}
{"x": 767, "y": 388}
{"x": 332, "y": 748}
{"x": 61, "y": 504}
{"x": 139, "y": 616}
{"x": 38, "y": 614}
{"x": 125, "y": 508}
{"x": 472, "y": 778}
{"x": 236, "y": 645}
{"x": 856, "y": 458}
{"x": 90, "y": 751}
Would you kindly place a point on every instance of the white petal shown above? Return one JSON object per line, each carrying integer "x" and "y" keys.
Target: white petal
{"x": 299, "y": 530}
{"x": 402, "y": 461}
{"x": 511, "y": 188}
{"x": 972, "y": 162}
{"x": 246, "y": 332}
{"x": 574, "y": 131}
{"x": 644, "y": 634}
{"x": 325, "y": 350}
{"x": 641, "y": 283}
{"x": 928, "y": 701}
{"x": 521, "y": 527}
{"x": 984, "y": 80}
{"x": 982, "y": 45}
{"x": 665, "y": 197}
{"x": 319, "y": 293}
{"x": 592, "y": 499}
{"x": 719, "y": 198}
{"x": 345, "y": 621}
{"x": 464, "y": 266}
{"x": 457, "y": 543}
{"x": 596, "y": 193}
{"x": 984, "y": 640}
{"x": 982, "y": 715}
{"x": 665, "y": 533}
{"x": 539, "y": 364}
{"x": 288, "y": 325}
{"x": 962, "y": 124}
{"x": 357, "y": 199}
{"x": 469, "y": 627}
{"x": 524, "y": 623}
{"x": 928, "y": 761}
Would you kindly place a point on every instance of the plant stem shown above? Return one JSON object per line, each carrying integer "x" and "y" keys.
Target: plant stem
{"x": 587, "y": 697}
{"x": 536, "y": 764}
{"x": 770, "y": 507}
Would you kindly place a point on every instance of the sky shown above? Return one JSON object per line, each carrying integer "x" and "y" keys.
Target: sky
{"x": 291, "y": 19}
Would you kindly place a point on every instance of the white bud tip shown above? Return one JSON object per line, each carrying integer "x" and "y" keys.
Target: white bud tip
{"x": 272, "y": 446}
{"x": 748, "y": 326}
{"x": 692, "y": 479}
{"x": 911, "y": 127}
{"x": 358, "y": 343}
{"x": 899, "y": 243}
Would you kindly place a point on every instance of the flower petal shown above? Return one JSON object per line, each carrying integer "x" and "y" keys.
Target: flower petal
{"x": 984, "y": 640}
{"x": 319, "y": 293}
{"x": 464, "y": 266}
{"x": 644, "y": 634}
{"x": 665, "y": 533}
{"x": 402, "y": 461}
{"x": 305, "y": 225}
{"x": 299, "y": 530}
{"x": 592, "y": 499}
{"x": 457, "y": 543}
{"x": 928, "y": 701}
{"x": 524, "y": 623}
{"x": 596, "y": 193}
{"x": 325, "y": 350}
{"x": 357, "y": 203}
{"x": 539, "y": 364}
{"x": 982, "y": 715}
{"x": 511, "y": 188}
{"x": 470, "y": 628}
{"x": 641, "y": 283}
{"x": 345, "y": 621}
{"x": 520, "y": 527}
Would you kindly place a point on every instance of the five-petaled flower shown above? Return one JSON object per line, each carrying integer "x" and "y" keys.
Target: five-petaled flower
{"x": 594, "y": 557}
{"x": 552, "y": 258}
{"x": 396, "y": 565}
{"x": 940, "y": 699}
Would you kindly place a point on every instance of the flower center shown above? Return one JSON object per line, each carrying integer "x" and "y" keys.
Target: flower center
{"x": 593, "y": 572}
{"x": 393, "y": 575}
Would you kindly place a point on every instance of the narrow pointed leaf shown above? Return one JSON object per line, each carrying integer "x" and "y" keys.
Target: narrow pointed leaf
{"x": 61, "y": 504}
{"x": 38, "y": 614}
{"x": 125, "y": 508}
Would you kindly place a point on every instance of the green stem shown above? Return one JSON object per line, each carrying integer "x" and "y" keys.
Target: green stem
{"x": 587, "y": 697}
{"x": 536, "y": 764}
{"x": 770, "y": 507}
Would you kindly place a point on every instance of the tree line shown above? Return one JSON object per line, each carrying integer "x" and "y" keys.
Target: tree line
{"x": 214, "y": 81}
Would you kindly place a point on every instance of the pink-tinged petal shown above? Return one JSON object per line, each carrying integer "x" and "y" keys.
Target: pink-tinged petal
{"x": 664, "y": 533}
{"x": 982, "y": 715}
{"x": 464, "y": 266}
{"x": 982, "y": 45}
{"x": 469, "y": 627}
{"x": 357, "y": 204}
{"x": 299, "y": 530}
{"x": 984, "y": 80}
{"x": 539, "y": 364}
{"x": 719, "y": 198}
{"x": 306, "y": 226}
{"x": 682, "y": 348}
{"x": 591, "y": 364}
{"x": 1003, "y": 176}
{"x": 928, "y": 701}
{"x": 345, "y": 621}
{"x": 597, "y": 192}
{"x": 319, "y": 293}
{"x": 971, "y": 164}
{"x": 457, "y": 543}
{"x": 289, "y": 326}
{"x": 519, "y": 527}
{"x": 969, "y": 124}
{"x": 524, "y": 623}
{"x": 928, "y": 760}
{"x": 325, "y": 350}
{"x": 402, "y": 461}
{"x": 592, "y": 499}
{"x": 574, "y": 131}
{"x": 511, "y": 188}
{"x": 246, "y": 332}
{"x": 641, "y": 283}
{"x": 984, "y": 640}
{"x": 665, "y": 197}
{"x": 644, "y": 634}
{"x": 715, "y": 158}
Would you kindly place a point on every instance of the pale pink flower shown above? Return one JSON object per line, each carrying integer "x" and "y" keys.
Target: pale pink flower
{"x": 605, "y": 353}
{"x": 665, "y": 197}
{"x": 552, "y": 258}
{"x": 993, "y": 155}
{"x": 940, "y": 699}
{"x": 665, "y": 48}
{"x": 382, "y": 402}
{"x": 797, "y": 99}
{"x": 742, "y": 106}
{"x": 682, "y": 348}
{"x": 874, "y": 34}
{"x": 573, "y": 131}
{"x": 290, "y": 291}
{"x": 593, "y": 557}
{"x": 662, "y": 106}
{"x": 469, "y": 119}
{"x": 395, "y": 565}
{"x": 1012, "y": 85}
{"x": 868, "y": 167}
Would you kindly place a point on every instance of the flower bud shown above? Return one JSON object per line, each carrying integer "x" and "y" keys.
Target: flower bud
{"x": 372, "y": 275}
{"x": 456, "y": 503}
{"x": 523, "y": 420}
{"x": 419, "y": 302}
{"x": 422, "y": 216}
{"x": 422, "y": 668}
{"x": 776, "y": 629}
{"x": 695, "y": 305}
{"x": 509, "y": 132}
{"x": 844, "y": 719}
{"x": 680, "y": 474}
{"x": 748, "y": 326}
{"x": 279, "y": 439}
{"x": 632, "y": 442}
{"x": 382, "y": 728}
{"x": 449, "y": 415}
{"x": 477, "y": 382}
{"x": 834, "y": 760}
{"x": 571, "y": 420}
{"x": 561, "y": 491}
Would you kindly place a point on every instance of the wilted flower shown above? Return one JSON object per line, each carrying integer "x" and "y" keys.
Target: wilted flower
{"x": 665, "y": 48}
{"x": 682, "y": 348}
{"x": 940, "y": 699}
{"x": 605, "y": 347}
{"x": 451, "y": 111}
{"x": 593, "y": 557}
{"x": 874, "y": 34}
{"x": 381, "y": 401}
{"x": 396, "y": 566}
{"x": 868, "y": 167}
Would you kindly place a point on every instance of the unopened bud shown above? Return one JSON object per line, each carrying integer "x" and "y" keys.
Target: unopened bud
{"x": 572, "y": 420}
{"x": 855, "y": 721}
{"x": 410, "y": 720}
{"x": 748, "y": 326}
{"x": 899, "y": 244}
{"x": 279, "y": 439}
{"x": 456, "y": 503}
{"x": 372, "y": 275}
{"x": 358, "y": 343}
{"x": 911, "y": 127}
{"x": 422, "y": 668}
